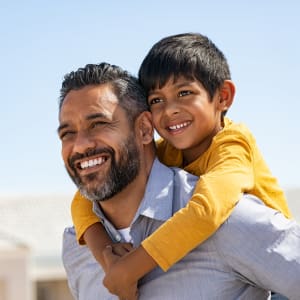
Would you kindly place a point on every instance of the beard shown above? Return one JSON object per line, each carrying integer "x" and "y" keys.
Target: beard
{"x": 119, "y": 176}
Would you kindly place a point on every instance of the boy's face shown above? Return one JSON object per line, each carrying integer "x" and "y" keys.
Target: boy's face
{"x": 184, "y": 114}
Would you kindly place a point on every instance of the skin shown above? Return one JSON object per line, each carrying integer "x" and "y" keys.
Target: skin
{"x": 97, "y": 122}
{"x": 91, "y": 118}
{"x": 185, "y": 115}
{"x": 183, "y": 105}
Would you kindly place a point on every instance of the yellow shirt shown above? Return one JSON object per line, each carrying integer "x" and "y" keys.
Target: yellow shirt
{"x": 232, "y": 165}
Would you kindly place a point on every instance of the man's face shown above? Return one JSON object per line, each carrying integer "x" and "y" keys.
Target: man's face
{"x": 98, "y": 145}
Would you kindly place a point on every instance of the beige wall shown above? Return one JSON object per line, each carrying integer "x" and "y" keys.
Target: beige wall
{"x": 14, "y": 277}
{"x": 53, "y": 290}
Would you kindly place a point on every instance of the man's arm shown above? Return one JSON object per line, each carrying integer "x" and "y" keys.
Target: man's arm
{"x": 263, "y": 247}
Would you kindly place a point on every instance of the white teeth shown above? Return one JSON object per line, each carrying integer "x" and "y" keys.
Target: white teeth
{"x": 91, "y": 163}
{"x": 178, "y": 126}
{"x": 84, "y": 165}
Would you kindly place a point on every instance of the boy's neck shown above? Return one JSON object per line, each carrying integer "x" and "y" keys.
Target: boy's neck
{"x": 191, "y": 154}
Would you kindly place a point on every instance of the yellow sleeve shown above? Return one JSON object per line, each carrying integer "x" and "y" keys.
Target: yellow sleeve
{"x": 82, "y": 215}
{"x": 228, "y": 173}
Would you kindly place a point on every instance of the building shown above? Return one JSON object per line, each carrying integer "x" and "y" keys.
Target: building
{"x": 293, "y": 196}
{"x": 30, "y": 245}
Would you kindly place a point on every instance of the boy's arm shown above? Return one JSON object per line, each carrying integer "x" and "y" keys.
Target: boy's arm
{"x": 82, "y": 216}
{"x": 90, "y": 231}
{"x": 88, "y": 228}
{"x": 227, "y": 170}
{"x": 213, "y": 200}
{"x": 97, "y": 240}
{"x": 118, "y": 280}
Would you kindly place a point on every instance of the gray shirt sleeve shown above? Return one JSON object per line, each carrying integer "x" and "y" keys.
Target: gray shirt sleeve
{"x": 84, "y": 273}
{"x": 262, "y": 246}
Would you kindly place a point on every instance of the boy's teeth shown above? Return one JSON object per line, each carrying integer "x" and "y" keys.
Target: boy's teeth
{"x": 178, "y": 126}
{"x": 91, "y": 163}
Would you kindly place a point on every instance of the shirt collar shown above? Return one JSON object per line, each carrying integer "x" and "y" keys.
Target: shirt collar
{"x": 158, "y": 199}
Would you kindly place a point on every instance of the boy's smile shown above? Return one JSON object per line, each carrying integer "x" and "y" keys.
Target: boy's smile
{"x": 177, "y": 128}
{"x": 185, "y": 115}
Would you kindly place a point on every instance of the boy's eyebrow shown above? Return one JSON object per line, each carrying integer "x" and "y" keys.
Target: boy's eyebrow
{"x": 88, "y": 118}
{"x": 176, "y": 84}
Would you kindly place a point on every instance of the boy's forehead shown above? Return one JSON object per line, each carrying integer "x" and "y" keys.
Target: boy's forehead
{"x": 176, "y": 81}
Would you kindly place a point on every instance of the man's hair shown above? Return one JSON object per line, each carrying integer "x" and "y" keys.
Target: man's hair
{"x": 131, "y": 95}
{"x": 190, "y": 55}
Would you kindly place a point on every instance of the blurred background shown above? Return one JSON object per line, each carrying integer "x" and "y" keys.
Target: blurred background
{"x": 41, "y": 41}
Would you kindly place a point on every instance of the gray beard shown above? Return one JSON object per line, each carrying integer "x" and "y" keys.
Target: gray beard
{"x": 120, "y": 175}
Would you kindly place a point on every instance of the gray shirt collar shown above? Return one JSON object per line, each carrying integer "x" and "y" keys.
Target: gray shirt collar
{"x": 157, "y": 202}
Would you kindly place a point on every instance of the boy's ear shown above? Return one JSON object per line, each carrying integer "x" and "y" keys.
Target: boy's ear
{"x": 226, "y": 95}
{"x": 144, "y": 127}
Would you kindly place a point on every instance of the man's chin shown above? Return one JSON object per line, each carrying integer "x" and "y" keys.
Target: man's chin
{"x": 88, "y": 186}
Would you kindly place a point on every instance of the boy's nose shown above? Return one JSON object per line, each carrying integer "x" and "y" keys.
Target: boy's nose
{"x": 172, "y": 109}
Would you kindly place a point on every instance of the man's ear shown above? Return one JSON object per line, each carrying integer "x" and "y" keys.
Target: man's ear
{"x": 226, "y": 95}
{"x": 144, "y": 127}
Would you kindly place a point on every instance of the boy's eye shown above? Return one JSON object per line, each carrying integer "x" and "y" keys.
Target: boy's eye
{"x": 184, "y": 93}
{"x": 154, "y": 101}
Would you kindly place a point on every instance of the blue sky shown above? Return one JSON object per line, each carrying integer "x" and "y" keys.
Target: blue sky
{"x": 43, "y": 40}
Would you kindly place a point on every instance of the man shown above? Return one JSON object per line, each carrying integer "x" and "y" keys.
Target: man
{"x": 108, "y": 150}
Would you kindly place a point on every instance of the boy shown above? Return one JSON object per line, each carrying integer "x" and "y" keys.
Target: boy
{"x": 189, "y": 89}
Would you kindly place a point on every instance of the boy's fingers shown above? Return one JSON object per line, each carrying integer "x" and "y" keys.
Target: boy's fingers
{"x": 128, "y": 246}
{"x": 109, "y": 257}
{"x": 122, "y": 248}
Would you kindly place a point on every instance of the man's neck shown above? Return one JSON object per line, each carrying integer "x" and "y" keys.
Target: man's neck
{"x": 121, "y": 209}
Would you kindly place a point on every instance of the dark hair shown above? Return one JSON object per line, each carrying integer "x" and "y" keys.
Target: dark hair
{"x": 131, "y": 95}
{"x": 190, "y": 55}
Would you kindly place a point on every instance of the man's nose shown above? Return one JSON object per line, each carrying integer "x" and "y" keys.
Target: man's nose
{"x": 83, "y": 143}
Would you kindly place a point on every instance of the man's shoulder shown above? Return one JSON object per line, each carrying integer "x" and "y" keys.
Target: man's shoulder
{"x": 179, "y": 176}
{"x": 172, "y": 183}
{"x": 252, "y": 218}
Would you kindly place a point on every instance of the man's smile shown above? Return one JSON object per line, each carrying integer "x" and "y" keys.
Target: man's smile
{"x": 89, "y": 163}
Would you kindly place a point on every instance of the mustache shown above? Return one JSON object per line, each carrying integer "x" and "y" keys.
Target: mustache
{"x": 89, "y": 153}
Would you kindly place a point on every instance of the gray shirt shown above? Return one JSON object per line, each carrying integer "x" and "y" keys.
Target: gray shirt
{"x": 254, "y": 251}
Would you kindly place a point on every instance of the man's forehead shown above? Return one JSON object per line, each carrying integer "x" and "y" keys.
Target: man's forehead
{"x": 93, "y": 93}
{"x": 89, "y": 100}
{"x": 89, "y": 97}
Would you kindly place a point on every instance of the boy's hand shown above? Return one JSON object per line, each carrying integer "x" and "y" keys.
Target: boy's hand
{"x": 116, "y": 279}
{"x": 121, "y": 249}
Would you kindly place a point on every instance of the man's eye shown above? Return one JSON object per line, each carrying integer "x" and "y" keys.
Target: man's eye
{"x": 154, "y": 101}
{"x": 66, "y": 135}
{"x": 98, "y": 124}
{"x": 184, "y": 93}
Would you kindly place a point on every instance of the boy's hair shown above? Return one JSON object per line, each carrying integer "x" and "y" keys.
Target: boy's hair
{"x": 131, "y": 95}
{"x": 190, "y": 55}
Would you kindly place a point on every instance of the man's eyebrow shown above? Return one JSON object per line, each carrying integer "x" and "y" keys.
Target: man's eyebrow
{"x": 61, "y": 127}
{"x": 95, "y": 116}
